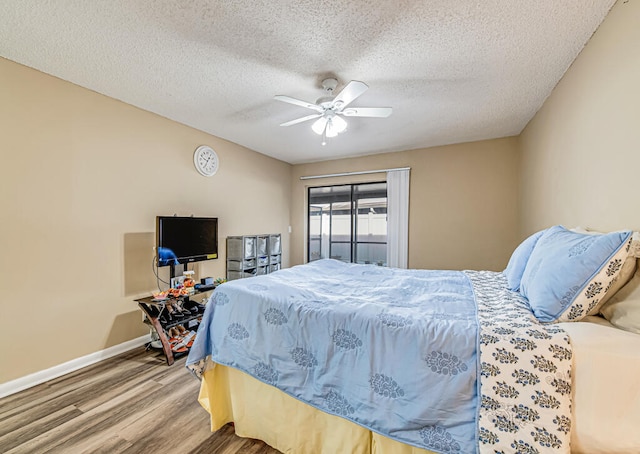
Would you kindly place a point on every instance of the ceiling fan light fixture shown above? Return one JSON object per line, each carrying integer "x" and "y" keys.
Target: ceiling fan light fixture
{"x": 331, "y": 131}
{"x": 319, "y": 125}
{"x": 337, "y": 124}
{"x": 330, "y": 126}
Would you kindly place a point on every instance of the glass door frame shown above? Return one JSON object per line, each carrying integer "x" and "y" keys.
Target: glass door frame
{"x": 353, "y": 235}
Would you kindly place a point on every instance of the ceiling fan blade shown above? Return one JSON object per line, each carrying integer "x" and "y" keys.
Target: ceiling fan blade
{"x": 350, "y": 92}
{"x": 300, "y": 120}
{"x": 299, "y": 102}
{"x": 381, "y": 112}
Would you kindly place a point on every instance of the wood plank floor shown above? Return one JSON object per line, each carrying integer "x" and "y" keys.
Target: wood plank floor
{"x": 132, "y": 403}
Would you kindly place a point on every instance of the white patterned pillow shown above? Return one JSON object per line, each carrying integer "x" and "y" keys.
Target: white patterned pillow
{"x": 568, "y": 273}
{"x": 628, "y": 268}
{"x": 623, "y": 310}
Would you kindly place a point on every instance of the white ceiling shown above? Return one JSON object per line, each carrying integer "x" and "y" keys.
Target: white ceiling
{"x": 453, "y": 71}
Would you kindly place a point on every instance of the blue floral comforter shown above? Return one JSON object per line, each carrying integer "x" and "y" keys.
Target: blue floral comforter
{"x": 444, "y": 360}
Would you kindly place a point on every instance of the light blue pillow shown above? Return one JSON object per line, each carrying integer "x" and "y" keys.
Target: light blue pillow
{"x": 568, "y": 273}
{"x": 519, "y": 259}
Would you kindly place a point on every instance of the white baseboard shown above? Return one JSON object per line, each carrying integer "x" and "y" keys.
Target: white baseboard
{"x": 22, "y": 383}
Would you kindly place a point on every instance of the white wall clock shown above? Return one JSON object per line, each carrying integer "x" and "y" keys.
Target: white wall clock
{"x": 206, "y": 160}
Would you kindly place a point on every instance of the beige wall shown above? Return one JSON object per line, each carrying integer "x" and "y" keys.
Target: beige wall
{"x": 463, "y": 210}
{"x": 83, "y": 177}
{"x": 581, "y": 152}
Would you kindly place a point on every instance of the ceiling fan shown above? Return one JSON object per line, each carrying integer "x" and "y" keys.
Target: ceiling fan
{"x": 329, "y": 109}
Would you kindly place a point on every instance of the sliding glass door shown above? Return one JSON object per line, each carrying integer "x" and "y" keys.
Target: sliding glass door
{"x": 348, "y": 223}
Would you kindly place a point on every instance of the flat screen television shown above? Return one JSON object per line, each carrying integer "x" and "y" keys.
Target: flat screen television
{"x": 182, "y": 240}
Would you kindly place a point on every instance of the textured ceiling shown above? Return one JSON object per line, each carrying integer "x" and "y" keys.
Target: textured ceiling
{"x": 453, "y": 71}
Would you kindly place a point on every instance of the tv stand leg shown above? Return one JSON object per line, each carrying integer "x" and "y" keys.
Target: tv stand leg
{"x": 166, "y": 346}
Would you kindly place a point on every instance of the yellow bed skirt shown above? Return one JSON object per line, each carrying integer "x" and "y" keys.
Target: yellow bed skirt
{"x": 263, "y": 412}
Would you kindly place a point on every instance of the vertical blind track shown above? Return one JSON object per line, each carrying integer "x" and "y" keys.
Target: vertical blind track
{"x": 344, "y": 174}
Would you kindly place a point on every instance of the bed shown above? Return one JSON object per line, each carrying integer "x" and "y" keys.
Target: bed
{"x": 336, "y": 357}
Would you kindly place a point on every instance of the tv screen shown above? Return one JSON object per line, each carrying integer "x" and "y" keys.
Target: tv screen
{"x": 186, "y": 239}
